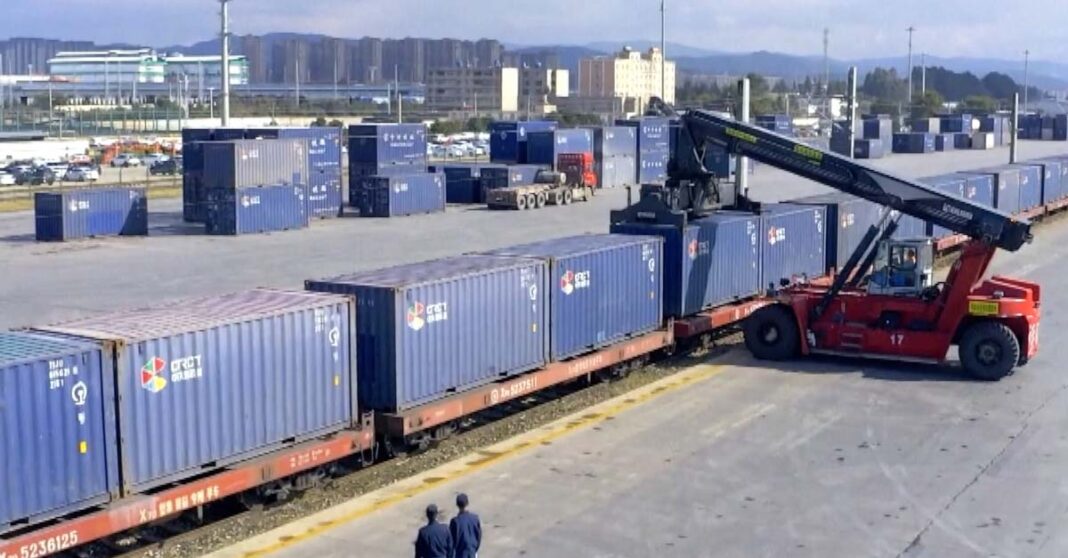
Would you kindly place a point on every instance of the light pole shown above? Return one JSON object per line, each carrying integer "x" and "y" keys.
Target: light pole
{"x": 225, "y": 109}
{"x": 211, "y": 102}
{"x": 663, "y": 53}
{"x": 1027, "y": 56}
{"x": 911, "y": 29}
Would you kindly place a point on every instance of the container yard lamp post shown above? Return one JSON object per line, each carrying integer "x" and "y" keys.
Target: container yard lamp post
{"x": 225, "y": 62}
{"x": 1027, "y": 56}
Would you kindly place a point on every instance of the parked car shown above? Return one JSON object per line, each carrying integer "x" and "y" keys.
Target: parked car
{"x": 58, "y": 169}
{"x": 7, "y": 179}
{"x": 152, "y": 158}
{"x": 82, "y": 174}
{"x": 125, "y": 160}
{"x": 169, "y": 166}
{"x": 35, "y": 177}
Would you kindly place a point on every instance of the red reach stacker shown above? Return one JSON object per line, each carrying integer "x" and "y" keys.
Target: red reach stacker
{"x": 886, "y": 302}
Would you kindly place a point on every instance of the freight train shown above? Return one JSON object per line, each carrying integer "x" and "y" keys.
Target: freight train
{"x": 127, "y": 418}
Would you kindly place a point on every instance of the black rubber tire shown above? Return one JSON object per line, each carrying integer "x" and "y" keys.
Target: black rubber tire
{"x": 520, "y": 202}
{"x": 568, "y": 196}
{"x": 542, "y": 199}
{"x": 771, "y": 333}
{"x": 989, "y": 350}
{"x": 532, "y": 201}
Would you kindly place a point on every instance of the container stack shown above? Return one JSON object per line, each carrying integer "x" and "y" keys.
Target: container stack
{"x": 90, "y": 212}
{"x": 870, "y": 140}
{"x": 508, "y": 139}
{"x": 654, "y": 148}
{"x": 463, "y": 181}
{"x": 778, "y": 123}
{"x": 927, "y": 125}
{"x": 324, "y": 165}
{"x": 915, "y": 142}
{"x": 615, "y": 151}
{"x": 388, "y": 171}
{"x": 194, "y": 207}
{"x": 255, "y": 186}
{"x": 543, "y": 148}
{"x": 508, "y": 176}
{"x": 998, "y": 126}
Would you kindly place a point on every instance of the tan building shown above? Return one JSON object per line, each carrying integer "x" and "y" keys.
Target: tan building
{"x": 482, "y": 89}
{"x": 539, "y": 89}
{"x": 628, "y": 74}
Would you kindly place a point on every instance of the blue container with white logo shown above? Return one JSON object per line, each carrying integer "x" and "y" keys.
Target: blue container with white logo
{"x": 945, "y": 142}
{"x": 949, "y": 184}
{"x": 508, "y": 139}
{"x": 90, "y": 212}
{"x": 57, "y": 428}
{"x": 603, "y": 288}
{"x": 848, "y": 220}
{"x": 204, "y": 383}
{"x": 793, "y": 242}
{"x": 544, "y": 147}
{"x": 1055, "y": 178}
{"x": 387, "y": 144}
{"x": 394, "y": 196}
{"x": 652, "y": 166}
{"x": 1030, "y": 185}
{"x": 1006, "y": 180}
{"x": 713, "y": 261}
{"x": 324, "y": 164}
{"x": 431, "y": 329}
{"x": 193, "y": 173}
{"x": 258, "y": 209}
{"x": 612, "y": 141}
{"x": 654, "y": 132}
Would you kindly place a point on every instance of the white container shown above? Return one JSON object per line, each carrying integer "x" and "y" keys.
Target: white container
{"x": 982, "y": 140}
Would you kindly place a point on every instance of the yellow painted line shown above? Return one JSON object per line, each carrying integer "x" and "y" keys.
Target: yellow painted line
{"x": 386, "y": 497}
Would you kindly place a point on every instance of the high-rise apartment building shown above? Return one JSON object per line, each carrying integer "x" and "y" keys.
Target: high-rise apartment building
{"x": 627, "y": 74}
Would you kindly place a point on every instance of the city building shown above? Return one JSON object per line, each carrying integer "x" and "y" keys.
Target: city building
{"x": 489, "y": 90}
{"x": 30, "y": 56}
{"x": 124, "y": 70}
{"x": 539, "y": 88}
{"x": 629, "y": 73}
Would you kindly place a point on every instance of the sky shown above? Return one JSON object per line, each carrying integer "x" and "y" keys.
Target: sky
{"x": 859, "y": 28}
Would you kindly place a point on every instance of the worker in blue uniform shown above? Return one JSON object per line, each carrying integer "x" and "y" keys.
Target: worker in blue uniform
{"x": 434, "y": 540}
{"x": 466, "y": 530}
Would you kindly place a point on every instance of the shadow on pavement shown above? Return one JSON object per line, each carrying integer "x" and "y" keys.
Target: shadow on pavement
{"x": 885, "y": 370}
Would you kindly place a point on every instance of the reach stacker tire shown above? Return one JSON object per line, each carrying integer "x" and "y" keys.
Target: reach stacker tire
{"x": 771, "y": 333}
{"x": 989, "y": 350}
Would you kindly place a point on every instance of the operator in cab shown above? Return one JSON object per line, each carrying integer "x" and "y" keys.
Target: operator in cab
{"x": 902, "y": 269}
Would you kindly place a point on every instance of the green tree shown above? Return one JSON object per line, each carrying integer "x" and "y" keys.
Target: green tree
{"x": 446, "y": 127}
{"x": 981, "y": 104}
{"x": 884, "y": 85}
{"x": 758, "y": 86}
{"x": 780, "y": 87}
{"x": 929, "y": 104}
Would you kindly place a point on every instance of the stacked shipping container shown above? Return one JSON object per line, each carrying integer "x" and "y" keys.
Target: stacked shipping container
{"x": 615, "y": 151}
{"x": 508, "y": 139}
{"x": 394, "y": 196}
{"x": 544, "y": 147}
{"x": 654, "y": 148}
{"x": 324, "y": 165}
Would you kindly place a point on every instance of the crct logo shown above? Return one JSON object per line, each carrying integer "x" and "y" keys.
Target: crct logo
{"x": 776, "y": 235}
{"x": 691, "y": 249}
{"x": 419, "y": 315}
{"x": 152, "y": 375}
{"x": 571, "y": 281}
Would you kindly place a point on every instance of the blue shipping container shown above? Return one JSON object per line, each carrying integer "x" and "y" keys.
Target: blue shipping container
{"x": 193, "y": 173}
{"x": 718, "y": 162}
{"x": 713, "y": 261}
{"x": 914, "y": 143}
{"x": 610, "y": 141}
{"x": 928, "y": 125}
{"x": 463, "y": 181}
{"x": 57, "y": 428}
{"x": 652, "y": 167}
{"x": 793, "y": 241}
{"x": 945, "y": 142}
{"x": 1030, "y": 185}
{"x": 543, "y": 147}
{"x": 508, "y": 139}
{"x": 868, "y": 149}
{"x": 617, "y": 171}
{"x": 324, "y": 193}
{"x": 950, "y": 184}
{"x": 430, "y": 329}
{"x": 956, "y": 123}
{"x": 603, "y": 288}
{"x": 394, "y": 196}
{"x": 848, "y": 219}
{"x": 204, "y": 383}
{"x": 90, "y": 212}
{"x": 880, "y": 129}
{"x": 267, "y": 162}
{"x": 962, "y": 141}
{"x": 511, "y": 175}
{"x": 357, "y": 170}
{"x": 324, "y": 144}
{"x": 257, "y": 209}
{"x": 654, "y": 132}
{"x": 1055, "y": 181}
{"x": 382, "y": 144}
{"x": 1006, "y": 186}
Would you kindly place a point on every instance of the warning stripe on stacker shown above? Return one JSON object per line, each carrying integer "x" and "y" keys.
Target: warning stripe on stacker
{"x": 388, "y": 496}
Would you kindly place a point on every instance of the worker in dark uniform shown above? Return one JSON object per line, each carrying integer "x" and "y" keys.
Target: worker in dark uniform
{"x": 434, "y": 540}
{"x": 466, "y": 530}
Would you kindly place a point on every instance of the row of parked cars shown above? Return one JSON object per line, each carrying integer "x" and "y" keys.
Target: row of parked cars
{"x": 30, "y": 173}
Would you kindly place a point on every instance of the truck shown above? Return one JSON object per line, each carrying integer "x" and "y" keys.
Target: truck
{"x": 573, "y": 181}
